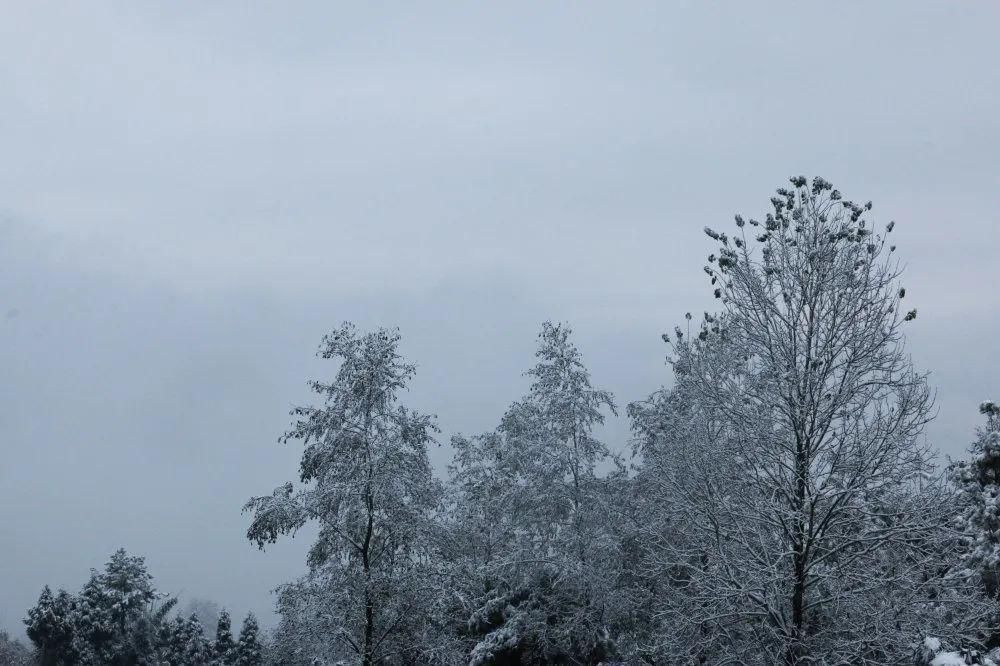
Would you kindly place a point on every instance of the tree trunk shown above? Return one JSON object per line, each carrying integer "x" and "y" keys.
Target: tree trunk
{"x": 368, "y": 656}
{"x": 796, "y": 648}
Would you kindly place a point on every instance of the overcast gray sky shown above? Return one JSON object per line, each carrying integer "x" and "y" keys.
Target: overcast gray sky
{"x": 192, "y": 194}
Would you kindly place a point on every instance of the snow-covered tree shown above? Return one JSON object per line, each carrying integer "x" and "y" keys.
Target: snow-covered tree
{"x": 117, "y": 618}
{"x": 13, "y": 652}
{"x": 97, "y": 636}
{"x": 126, "y": 590}
{"x": 367, "y": 481}
{"x": 932, "y": 653}
{"x": 249, "y": 651}
{"x": 486, "y": 507}
{"x": 223, "y": 649}
{"x": 978, "y": 482}
{"x": 532, "y": 568}
{"x": 565, "y": 409}
{"x": 307, "y": 629}
{"x": 170, "y": 645}
{"x": 111, "y": 621}
{"x": 50, "y": 627}
{"x": 802, "y": 526}
{"x": 182, "y": 642}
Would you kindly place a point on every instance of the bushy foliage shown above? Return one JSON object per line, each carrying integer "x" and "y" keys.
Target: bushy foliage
{"x": 367, "y": 481}
{"x": 182, "y": 641}
{"x": 50, "y": 626}
{"x": 529, "y": 560}
{"x": 111, "y": 621}
{"x": 118, "y": 618}
{"x": 978, "y": 483}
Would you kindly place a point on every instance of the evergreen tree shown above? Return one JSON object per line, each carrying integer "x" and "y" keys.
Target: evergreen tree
{"x": 224, "y": 647}
{"x": 163, "y": 644}
{"x": 115, "y": 619}
{"x": 172, "y": 642}
{"x": 249, "y": 651}
{"x": 94, "y": 628}
{"x": 50, "y": 627}
{"x": 198, "y": 650}
{"x": 181, "y": 642}
{"x": 126, "y": 593}
{"x": 147, "y": 633}
{"x": 978, "y": 483}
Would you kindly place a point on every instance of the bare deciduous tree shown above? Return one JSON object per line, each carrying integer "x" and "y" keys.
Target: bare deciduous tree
{"x": 803, "y": 521}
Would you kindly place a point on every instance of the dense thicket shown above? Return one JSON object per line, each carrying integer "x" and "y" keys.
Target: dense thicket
{"x": 119, "y": 618}
{"x": 782, "y": 504}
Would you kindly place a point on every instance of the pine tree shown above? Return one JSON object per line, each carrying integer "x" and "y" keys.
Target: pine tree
{"x": 50, "y": 627}
{"x": 110, "y": 620}
{"x": 115, "y": 619}
{"x": 181, "y": 642}
{"x": 249, "y": 651}
{"x": 126, "y": 593}
{"x": 127, "y": 587}
{"x": 197, "y": 649}
{"x": 224, "y": 647}
{"x": 172, "y": 642}
{"x": 164, "y": 645}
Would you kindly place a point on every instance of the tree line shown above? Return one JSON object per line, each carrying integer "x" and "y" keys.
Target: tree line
{"x": 780, "y": 505}
{"x": 120, "y": 618}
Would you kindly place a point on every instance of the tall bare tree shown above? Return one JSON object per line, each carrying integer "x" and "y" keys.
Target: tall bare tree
{"x": 804, "y": 521}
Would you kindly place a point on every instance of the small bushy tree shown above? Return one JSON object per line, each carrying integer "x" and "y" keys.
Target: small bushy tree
{"x": 109, "y": 622}
{"x": 50, "y": 627}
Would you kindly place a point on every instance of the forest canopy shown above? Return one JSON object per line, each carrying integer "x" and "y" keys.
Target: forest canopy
{"x": 781, "y": 504}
